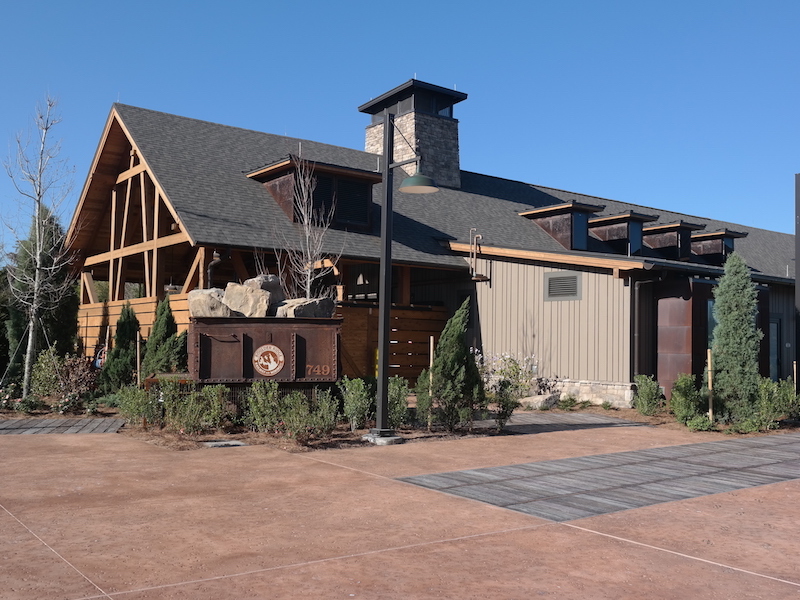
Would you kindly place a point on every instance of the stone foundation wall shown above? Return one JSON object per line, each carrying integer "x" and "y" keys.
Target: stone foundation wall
{"x": 618, "y": 394}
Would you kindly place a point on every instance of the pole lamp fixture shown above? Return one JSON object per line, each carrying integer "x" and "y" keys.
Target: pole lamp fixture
{"x": 416, "y": 184}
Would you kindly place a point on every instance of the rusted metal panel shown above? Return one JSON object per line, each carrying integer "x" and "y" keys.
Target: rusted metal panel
{"x": 245, "y": 350}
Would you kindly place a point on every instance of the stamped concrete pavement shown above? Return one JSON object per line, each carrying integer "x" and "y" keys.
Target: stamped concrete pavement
{"x": 107, "y": 516}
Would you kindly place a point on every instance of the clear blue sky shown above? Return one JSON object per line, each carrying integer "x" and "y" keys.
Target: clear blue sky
{"x": 686, "y": 105}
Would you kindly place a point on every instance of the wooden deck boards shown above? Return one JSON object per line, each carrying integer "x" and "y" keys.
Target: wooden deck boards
{"x": 62, "y": 425}
{"x": 574, "y": 488}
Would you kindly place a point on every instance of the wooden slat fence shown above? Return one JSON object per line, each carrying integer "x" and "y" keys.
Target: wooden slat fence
{"x": 411, "y": 329}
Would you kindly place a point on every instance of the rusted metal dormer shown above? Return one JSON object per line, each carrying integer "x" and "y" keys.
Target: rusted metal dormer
{"x": 623, "y": 232}
{"x": 567, "y": 223}
{"x": 715, "y": 246}
{"x": 671, "y": 240}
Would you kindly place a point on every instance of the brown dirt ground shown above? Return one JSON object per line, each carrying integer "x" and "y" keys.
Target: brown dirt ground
{"x": 343, "y": 437}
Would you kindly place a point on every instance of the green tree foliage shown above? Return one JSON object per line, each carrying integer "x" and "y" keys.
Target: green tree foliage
{"x": 686, "y": 400}
{"x": 57, "y": 303}
{"x": 736, "y": 340}
{"x": 39, "y": 271}
{"x": 647, "y": 399}
{"x": 165, "y": 351}
{"x": 120, "y": 367}
{"x": 358, "y": 401}
{"x": 5, "y": 301}
{"x": 457, "y": 385}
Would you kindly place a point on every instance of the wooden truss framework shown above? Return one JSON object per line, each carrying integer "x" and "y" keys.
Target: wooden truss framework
{"x": 143, "y": 225}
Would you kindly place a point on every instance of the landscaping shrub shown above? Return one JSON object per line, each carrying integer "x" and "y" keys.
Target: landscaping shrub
{"x": 686, "y": 399}
{"x": 120, "y": 367}
{"x": 568, "y": 403}
{"x": 700, "y": 423}
{"x": 297, "y": 418}
{"x": 165, "y": 351}
{"x": 196, "y": 410}
{"x": 506, "y": 402}
{"x": 359, "y": 402}
{"x": 398, "y": 401}
{"x": 45, "y": 374}
{"x": 263, "y": 411}
{"x": 457, "y": 386}
{"x": 424, "y": 412}
{"x": 506, "y": 379}
{"x": 137, "y": 405}
{"x": 648, "y": 398}
{"x": 69, "y": 403}
{"x": 736, "y": 342}
{"x": 326, "y": 412}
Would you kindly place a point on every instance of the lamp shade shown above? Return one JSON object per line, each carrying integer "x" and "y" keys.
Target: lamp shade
{"x": 418, "y": 184}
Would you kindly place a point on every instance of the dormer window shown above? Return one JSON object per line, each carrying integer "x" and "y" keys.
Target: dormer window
{"x": 347, "y": 190}
{"x": 352, "y": 197}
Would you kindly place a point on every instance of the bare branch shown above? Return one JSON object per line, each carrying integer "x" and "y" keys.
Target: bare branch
{"x": 39, "y": 273}
{"x": 304, "y": 263}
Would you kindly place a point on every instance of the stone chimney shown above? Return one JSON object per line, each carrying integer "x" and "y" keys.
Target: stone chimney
{"x": 424, "y": 117}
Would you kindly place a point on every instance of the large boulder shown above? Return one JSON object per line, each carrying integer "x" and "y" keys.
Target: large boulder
{"x": 270, "y": 283}
{"x": 302, "y": 307}
{"x": 249, "y": 301}
{"x": 209, "y": 303}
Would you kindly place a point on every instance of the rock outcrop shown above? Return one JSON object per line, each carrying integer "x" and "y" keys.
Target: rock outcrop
{"x": 210, "y": 303}
{"x": 261, "y": 296}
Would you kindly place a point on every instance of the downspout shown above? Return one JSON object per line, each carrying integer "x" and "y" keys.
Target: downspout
{"x": 210, "y": 269}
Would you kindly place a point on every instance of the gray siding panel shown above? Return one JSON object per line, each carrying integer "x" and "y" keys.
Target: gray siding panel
{"x": 577, "y": 339}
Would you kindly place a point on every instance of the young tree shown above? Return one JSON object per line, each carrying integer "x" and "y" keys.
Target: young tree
{"x": 120, "y": 366}
{"x": 304, "y": 264}
{"x": 165, "y": 350}
{"x": 457, "y": 385}
{"x": 39, "y": 271}
{"x": 735, "y": 347}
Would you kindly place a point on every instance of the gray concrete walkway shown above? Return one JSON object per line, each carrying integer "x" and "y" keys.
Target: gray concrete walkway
{"x": 60, "y": 425}
{"x": 575, "y": 488}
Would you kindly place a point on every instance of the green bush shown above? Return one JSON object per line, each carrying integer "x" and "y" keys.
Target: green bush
{"x": 506, "y": 402}
{"x": 195, "y": 411}
{"x": 568, "y": 403}
{"x": 736, "y": 343}
{"x": 263, "y": 412}
{"x": 297, "y": 417}
{"x": 136, "y": 405}
{"x": 457, "y": 385}
{"x": 326, "y": 412}
{"x": 398, "y": 402}
{"x": 424, "y": 414}
{"x": 31, "y": 403}
{"x": 359, "y": 402}
{"x": 686, "y": 399}
{"x": 648, "y": 398}
{"x": 700, "y": 423}
{"x": 45, "y": 374}
{"x": 120, "y": 367}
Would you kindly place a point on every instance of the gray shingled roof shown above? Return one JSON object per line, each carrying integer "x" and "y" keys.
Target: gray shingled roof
{"x": 201, "y": 166}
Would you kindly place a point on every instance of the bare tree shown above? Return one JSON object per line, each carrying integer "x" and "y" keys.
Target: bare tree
{"x": 304, "y": 263}
{"x": 39, "y": 270}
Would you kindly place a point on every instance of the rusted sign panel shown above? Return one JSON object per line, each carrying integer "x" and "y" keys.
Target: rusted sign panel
{"x": 244, "y": 350}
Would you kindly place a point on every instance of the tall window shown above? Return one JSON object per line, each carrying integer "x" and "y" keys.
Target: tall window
{"x": 353, "y": 199}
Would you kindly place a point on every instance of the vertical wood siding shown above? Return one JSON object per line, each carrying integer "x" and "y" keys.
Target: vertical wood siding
{"x": 781, "y": 305}
{"x": 578, "y": 339}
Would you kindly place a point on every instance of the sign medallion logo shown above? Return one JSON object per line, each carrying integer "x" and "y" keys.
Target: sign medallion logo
{"x": 268, "y": 360}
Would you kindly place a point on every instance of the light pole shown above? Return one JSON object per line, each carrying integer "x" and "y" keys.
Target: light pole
{"x": 416, "y": 184}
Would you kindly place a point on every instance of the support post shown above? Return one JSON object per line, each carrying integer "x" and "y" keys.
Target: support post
{"x": 385, "y": 282}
